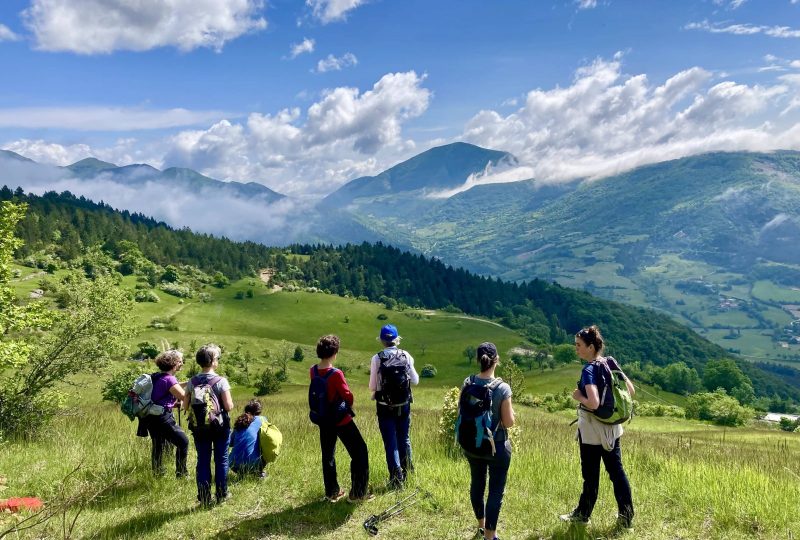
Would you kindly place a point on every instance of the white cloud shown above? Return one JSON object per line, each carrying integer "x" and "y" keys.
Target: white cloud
{"x": 332, "y": 63}
{"x": 606, "y": 122}
{"x": 305, "y": 46}
{"x": 6, "y": 34}
{"x": 795, "y": 63}
{"x": 104, "y": 26}
{"x": 332, "y": 10}
{"x": 95, "y": 118}
{"x": 124, "y": 152}
{"x": 346, "y": 134}
{"x": 744, "y": 29}
{"x": 733, "y": 4}
{"x": 586, "y": 4}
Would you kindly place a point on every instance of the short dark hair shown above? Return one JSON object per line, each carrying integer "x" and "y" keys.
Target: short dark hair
{"x": 207, "y": 354}
{"x": 591, "y": 336}
{"x": 327, "y": 346}
{"x": 169, "y": 359}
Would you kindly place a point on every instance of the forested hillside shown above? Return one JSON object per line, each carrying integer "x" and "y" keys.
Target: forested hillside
{"x": 58, "y": 228}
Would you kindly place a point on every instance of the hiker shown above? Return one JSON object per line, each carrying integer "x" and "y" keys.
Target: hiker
{"x": 167, "y": 392}
{"x": 331, "y": 401}
{"x": 209, "y": 400}
{"x": 598, "y": 440}
{"x": 391, "y": 374}
{"x": 484, "y": 437}
{"x": 245, "y": 457}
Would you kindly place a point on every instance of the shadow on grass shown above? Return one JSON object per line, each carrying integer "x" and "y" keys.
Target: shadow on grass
{"x": 141, "y": 524}
{"x": 311, "y": 519}
{"x": 581, "y": 532}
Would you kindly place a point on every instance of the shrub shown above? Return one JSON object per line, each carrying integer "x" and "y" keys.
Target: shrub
{"x": 511, "y": 374}
{"x": 115, "y": 387}
{"x": 146, "y": 296}
{"x": 658, "y": 409}
{"x": 428, "y": 371}
{"x": 177, "y": 289}
{"x": 447, "y": 422}
{"x": 719, "y": 408}
{"x": 267, "y": 383}
{"x": 164, "y": 323}
{"x": 298, "y": 355}
{"x": 550, "y": 402}
{"x": 146, "y": 349}
{"x": 239, "y": 295}
{"x": 205, "y": 297}
{"x": 382, "y": 316}
{"x": 249, "y": 293}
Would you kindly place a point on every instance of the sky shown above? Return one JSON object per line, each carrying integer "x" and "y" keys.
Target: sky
{"x": 303, "y": 96}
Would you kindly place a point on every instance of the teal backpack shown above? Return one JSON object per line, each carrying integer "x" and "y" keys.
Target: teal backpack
{"x": 616, "y": 403}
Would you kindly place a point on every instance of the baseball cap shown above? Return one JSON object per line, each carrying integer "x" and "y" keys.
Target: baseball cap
{"x": 388, "y": 333}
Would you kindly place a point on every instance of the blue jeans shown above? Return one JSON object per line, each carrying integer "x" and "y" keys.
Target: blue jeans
{"x": 497, "y": 467}
{"x": 397, "y": 442}
{"x": 206, "y": 445}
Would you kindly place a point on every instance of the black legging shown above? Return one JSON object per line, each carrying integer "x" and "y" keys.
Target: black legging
{"x": 591, "y": 454}
{"x": 164, "y": 431}
{"x": 497, "y": 468}
{"x": 359, "y": 459}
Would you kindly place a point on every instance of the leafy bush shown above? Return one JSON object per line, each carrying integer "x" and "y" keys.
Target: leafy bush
{"x": 511, "y": 374}
{"x": 177, "y": 289}
{"x": 146, "y": 296}
{"x": 550, "y": 402}
{"x": 298, "y": 355}
{"x": 115, "y": 387}
{"x": 382, "y": 316}
{"x": 447, "y": 422}
{"x": 146, "y": 349}
{"x": 659, "y": 409}
{"x": 164, "y": 323}
{"x": 268, "y": 383}
{"x": 719, "y": 408}
{"x": 239, "y": 295}
{"x": 428, "y": 371}
{"x": 249, "y": 293}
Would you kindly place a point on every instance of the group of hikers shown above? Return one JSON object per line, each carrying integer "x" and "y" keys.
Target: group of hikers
{"x": 485, "y": 414}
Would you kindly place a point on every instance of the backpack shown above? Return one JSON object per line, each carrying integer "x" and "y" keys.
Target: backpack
{"x": 395, "y": 382}
{"x": 474, "y": 423}
{"x": 139, "y": 401}
{"x": 270, "y": 440}
{"x": 205, "y": 410}
{"x": 321, "y": 411}
{"x": 616, "y": 403}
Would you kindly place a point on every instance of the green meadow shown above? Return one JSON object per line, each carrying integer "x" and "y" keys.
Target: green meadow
{"x": 689, "y": 479}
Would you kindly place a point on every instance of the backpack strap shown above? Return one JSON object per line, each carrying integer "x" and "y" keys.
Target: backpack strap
{"x": 603, "y": 365}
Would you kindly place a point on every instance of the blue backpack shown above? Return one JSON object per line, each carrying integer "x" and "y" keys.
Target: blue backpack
{"x": 323, "y": 412}
{"x": 474, "y": 423}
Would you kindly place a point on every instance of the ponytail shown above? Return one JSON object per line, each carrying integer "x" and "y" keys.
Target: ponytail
{"x": 251, "y": 410}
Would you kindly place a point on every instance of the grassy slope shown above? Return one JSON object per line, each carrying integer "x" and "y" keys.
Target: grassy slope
{"x": 690, "y": 480}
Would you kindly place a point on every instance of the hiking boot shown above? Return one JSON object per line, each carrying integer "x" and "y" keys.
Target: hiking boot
{"x": 479, "y": 534}
{"x": 575, "y": 518}
{"x": 334, "y": 498}
{"x": 623, "y": 523}
{"x": 358, "y": 500}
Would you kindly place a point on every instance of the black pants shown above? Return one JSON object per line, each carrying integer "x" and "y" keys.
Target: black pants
{"x": 497, "y": 467}
{"x": 591, "y": 454}
{"x": 359, "y": 459}
{"x": 165, "y": 432}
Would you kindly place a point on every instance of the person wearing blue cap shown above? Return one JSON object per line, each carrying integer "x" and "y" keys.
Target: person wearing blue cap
{"x": 391, "y": 375}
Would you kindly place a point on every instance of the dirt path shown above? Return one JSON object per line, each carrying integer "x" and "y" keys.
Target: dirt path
{"x": 265, "y": 274}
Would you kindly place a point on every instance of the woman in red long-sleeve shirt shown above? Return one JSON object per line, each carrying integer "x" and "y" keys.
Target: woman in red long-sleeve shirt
{"x": 338, "y": 423}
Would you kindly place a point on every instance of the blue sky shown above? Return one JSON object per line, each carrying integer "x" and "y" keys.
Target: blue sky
{"x": 573, "y": 88}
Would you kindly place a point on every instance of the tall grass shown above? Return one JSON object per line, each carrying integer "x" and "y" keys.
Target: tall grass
{"x": 689, "y": 480}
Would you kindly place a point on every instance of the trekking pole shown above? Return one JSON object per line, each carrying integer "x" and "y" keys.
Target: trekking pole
{"x": 371, "y": 523}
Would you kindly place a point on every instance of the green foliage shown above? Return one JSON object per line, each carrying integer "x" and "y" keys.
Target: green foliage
{"x": 267, "y": 383}
{"x": 382, "y": 316}
{"x": 115, "y": 387}
{"x": 249, "y": 293}
{"x": 658, "y": 409}
{"x": 146, "y": 349}
{"x": 428, "y": 371}
{"x": 447, "y": 422}
{"x": 512, "y": 375}
{"x": 725, "y": 374}
{"x": 678, "y": 378}
{"x": 719, "y": 408}
{"x": 180, "y": 290}
{"x": 220, "y": 280}
{"x": 787, "y": 424}
{"x": 146, "y": 296}
{"x": 550, "y": 402}
{"x": 164, "y": 323}
{"x": 565, "y": 354}
{"x": 469, "y": 353}
{"x": 298, "y": 355}
{"x": 239, "y": 295}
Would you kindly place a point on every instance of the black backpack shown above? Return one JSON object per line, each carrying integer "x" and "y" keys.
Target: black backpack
{"x": 395, "y": 382}
{"x": 474, "y": 423}
{"x": 321, "y": 411}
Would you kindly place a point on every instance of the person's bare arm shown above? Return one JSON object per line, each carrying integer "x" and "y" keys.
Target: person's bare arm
{"x": 507, "y": 413}
{"x": 592, "y": 399}
{"x": 227, "y": 401}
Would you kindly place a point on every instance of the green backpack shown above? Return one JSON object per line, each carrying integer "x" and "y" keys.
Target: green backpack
{"x": 616, "y": 403}
{"x": 270, "y": 440}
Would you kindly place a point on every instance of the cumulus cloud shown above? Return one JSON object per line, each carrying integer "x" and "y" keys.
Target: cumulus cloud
{"x": 305, "y": 46}
{"x": 205, "y": 211}
{"x": 122, "y": 152}
{"x": 6, "y": 34}
{"x": 744, "y": 29}
{"x": 333, "y": 63}
{"x": 93, "y": 118}
{"x": 345, "y": 134}
{"x": 606, "y": 122}
{"x": 327, "y": 11}
{"x": 104, "y": 26}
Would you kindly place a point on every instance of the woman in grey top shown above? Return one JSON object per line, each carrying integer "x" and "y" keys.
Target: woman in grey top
{"x": 598, "y": 441}
{"x": 488, "y": 511}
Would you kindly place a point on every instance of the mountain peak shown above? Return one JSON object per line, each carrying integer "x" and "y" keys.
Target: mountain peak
{"x": 13, "y": 155}
{"x": 89, "y": 165}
